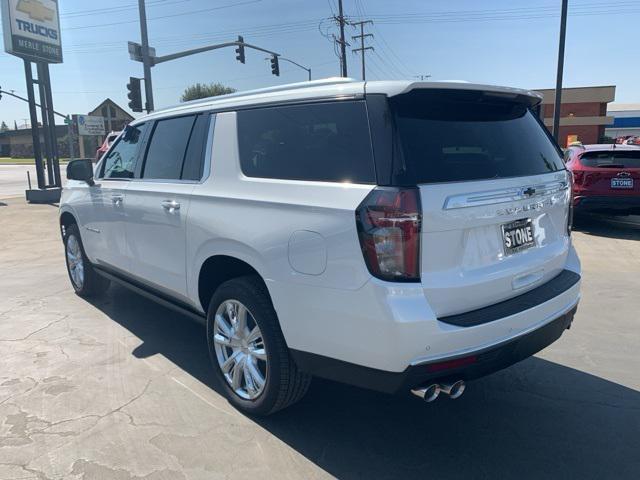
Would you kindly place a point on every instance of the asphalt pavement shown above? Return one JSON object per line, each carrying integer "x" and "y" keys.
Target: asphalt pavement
{"x": 121, "y": 388}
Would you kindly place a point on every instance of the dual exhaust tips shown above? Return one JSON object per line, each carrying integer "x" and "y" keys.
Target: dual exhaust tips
{"x": 431, "y": 392}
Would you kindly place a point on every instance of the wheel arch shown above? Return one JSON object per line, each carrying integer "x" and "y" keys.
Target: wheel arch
{"x": 216, "y": 270}
{"x": 66, "y": 219}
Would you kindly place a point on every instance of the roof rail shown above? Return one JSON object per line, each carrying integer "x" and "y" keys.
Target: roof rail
{"x": 277, "y": 88}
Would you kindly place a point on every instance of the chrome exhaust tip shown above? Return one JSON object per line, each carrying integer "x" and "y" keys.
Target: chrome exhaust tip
{"x": 454, "y": 390}
{"x": 428, "y": 394}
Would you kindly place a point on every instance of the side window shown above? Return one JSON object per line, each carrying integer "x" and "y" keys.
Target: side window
{"x": 326, "y": 142}
{"x": 120, "y": 162}
{"x": 193, "y": 167}
{"x": 167, "y": 148}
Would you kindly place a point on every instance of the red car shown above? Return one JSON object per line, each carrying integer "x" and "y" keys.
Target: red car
{"x": 106, "y": 144}
{"x": 606, "y": 178}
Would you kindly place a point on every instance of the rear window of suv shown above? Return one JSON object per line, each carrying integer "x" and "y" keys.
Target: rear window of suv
{"x": 454, "y": 136}
{"x": 611, "y": 159}
{"x": 327, "y": 142}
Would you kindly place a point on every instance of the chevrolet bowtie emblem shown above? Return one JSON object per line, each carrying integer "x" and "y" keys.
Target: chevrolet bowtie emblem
{"x": 528, "y": 192}
{"x": 36, "y": 10}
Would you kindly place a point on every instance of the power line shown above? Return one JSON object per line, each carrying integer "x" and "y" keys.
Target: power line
{"x": 516, "y": 11}
{"x": 400, "y": 66}
{"x": 178, "y": 14}
{"x": 118, "y": 9}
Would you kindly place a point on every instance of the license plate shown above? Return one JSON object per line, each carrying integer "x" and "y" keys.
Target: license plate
{"x": 517, "y": 236}
{"x": 622, "y": 183}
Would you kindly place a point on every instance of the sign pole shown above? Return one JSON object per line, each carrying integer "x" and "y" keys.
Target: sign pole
{"x": 34, "y": 124}
{"x": 52, "y": 125}
{"x": 46, "y": 130}
{"x": 69, "y": 138}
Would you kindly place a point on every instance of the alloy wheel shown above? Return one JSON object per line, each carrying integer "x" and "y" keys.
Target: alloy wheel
{"x": 240, "y": 349}
{"x": 75, "y": 262}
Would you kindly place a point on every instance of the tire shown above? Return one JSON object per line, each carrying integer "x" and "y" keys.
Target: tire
{"x": 84, "y": 279}
{"x": 283, "y": 383}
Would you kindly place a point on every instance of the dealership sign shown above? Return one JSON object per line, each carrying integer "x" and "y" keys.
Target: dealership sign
{"x": 32, "y": 29}
{"x": 89, "y": 125}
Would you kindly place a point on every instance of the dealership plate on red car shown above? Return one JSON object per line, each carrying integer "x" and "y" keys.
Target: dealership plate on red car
{"x": 622, "y": 182}
{"x": 518, "y": 236}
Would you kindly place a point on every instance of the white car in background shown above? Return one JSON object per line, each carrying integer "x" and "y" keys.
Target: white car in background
{"x": 400, "y": 236}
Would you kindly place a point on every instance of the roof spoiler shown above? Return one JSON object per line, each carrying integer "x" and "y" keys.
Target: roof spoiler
{"x": 527, "y": 97}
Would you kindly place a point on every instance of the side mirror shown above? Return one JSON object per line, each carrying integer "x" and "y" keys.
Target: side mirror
{"x": 81, "y": 169}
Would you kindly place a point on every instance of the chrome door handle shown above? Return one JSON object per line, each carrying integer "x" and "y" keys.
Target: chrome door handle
{"x": 117, "y": 199}
{"x": 170, "y": 205}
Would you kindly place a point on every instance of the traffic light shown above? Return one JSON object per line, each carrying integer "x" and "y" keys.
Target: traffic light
{"x": 240, "y": 49}
{"x": 134, "y": 95}
{"x": 275, "y": 66}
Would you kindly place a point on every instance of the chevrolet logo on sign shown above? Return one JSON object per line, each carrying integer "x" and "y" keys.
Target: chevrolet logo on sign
{"x": 36, "y": 10}
{"x": 32, "y": 29}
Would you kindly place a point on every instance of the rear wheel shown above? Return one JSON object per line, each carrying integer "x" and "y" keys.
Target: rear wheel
{"x": 248, "y": 351}
{"x": 84, "y": 279}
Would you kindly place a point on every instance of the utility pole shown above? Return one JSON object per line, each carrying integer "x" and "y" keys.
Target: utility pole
{"x": 342, "y": 41}
{"x": 558, "y": 102}
{"x": 422, "y": 77}
{"x": 146, "y": 59}
{"x": 362, "y": 48}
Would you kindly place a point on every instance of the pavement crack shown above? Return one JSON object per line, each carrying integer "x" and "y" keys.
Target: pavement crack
{"x": 36, "y": 331}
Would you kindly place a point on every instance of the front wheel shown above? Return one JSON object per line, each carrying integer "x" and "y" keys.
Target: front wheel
{"x": 84, "y": 279}
{"x": 248, "y": 351}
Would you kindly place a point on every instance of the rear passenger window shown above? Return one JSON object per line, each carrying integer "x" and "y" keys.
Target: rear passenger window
{"x": 167, "y": 148}
{"x": 326, "y": 142}
{"x": 194, "y": 160}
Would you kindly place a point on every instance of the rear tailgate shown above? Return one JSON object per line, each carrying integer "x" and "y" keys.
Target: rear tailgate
{"x": 468, "y": 259}
{"x": 494, "y": 192}
{"x": 609, "y": 172}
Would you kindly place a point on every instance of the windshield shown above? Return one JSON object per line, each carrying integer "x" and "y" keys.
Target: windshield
{"x": 611, "y": 159}
{"x": 456, "y": 136}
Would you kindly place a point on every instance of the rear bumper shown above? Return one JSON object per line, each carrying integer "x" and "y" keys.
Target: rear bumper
{"x": 469, "y": 366}
{"x": 606, "y": 203}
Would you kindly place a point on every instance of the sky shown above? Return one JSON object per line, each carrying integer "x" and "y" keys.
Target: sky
{"x": 502, "y": 42}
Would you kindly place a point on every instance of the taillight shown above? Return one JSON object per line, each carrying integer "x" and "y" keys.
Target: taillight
{"x": 388, "y": 222}
{"x": 578, "y": 177}
{"x": 570, "y": 212}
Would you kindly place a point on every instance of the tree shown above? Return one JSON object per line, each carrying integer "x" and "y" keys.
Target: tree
{"x": 202, "y": 90}
{"x": 4, "y": 127}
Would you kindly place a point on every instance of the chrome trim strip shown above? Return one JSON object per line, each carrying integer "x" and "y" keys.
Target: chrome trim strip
{"x": 491, "y": 197}
{"x": 491, "y": 345}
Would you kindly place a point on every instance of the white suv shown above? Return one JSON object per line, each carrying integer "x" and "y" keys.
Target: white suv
{"x": 392, "y": 235}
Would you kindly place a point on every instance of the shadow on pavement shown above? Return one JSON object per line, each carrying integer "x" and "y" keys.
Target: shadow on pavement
{"x": 537, "y": 419}
{"x": 610, "y": 226}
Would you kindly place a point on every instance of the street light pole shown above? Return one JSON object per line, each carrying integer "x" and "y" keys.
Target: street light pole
{"x": 298, "y": 65}
{"x": 558, "y": 100}
{"x": 146, "y": 60}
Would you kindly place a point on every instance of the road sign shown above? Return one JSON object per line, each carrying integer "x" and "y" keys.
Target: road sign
{"x": 135, "y": 51}
{"x": 89, "y": 125}
{"x": 32, "y": 29}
